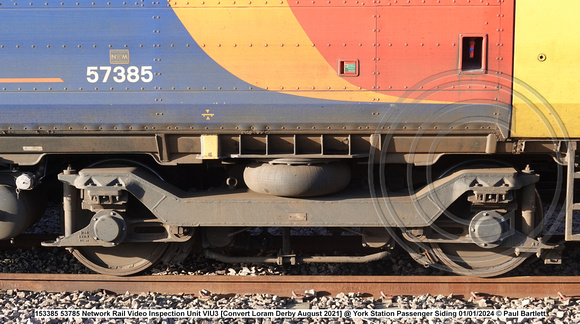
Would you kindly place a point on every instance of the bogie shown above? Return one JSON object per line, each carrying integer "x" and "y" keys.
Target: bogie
{"x": 467, "y": 213}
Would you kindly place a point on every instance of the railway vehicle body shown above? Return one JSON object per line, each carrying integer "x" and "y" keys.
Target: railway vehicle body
{"x": 428, "y": 124}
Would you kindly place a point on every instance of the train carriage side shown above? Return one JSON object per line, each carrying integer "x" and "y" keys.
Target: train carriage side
{"x": 167, "y": 122}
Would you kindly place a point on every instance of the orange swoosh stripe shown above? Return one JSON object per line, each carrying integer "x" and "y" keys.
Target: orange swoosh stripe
{"x": 30, "y": 80}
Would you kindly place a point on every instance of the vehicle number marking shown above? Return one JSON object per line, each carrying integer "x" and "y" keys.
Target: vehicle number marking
{"x": 120, "y": 74}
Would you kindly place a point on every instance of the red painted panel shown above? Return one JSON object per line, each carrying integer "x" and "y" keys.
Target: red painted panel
{"x": 405, "y": 45}
{"x": 343, "y": 32}
{"x": 420, "y": 46}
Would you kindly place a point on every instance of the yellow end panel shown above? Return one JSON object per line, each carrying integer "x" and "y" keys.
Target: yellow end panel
{"x": 547, "y": 69}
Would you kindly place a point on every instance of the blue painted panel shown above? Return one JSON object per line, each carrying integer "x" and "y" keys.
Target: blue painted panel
{"x": 62, "y": 43}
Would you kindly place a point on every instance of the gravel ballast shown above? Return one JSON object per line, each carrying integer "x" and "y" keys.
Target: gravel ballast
{"x": 18, "y": 307}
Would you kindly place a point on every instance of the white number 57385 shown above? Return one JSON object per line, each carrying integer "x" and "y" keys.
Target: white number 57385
{"x": 119, "y": 74}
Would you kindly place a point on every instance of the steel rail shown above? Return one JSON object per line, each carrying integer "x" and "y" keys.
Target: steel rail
{"x": 284, "y": 286}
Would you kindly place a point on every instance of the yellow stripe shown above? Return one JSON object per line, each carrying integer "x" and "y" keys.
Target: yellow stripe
{"x": 30, "y": 80}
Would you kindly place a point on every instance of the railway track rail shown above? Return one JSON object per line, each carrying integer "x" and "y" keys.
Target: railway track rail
{"x": 286, "y": 286}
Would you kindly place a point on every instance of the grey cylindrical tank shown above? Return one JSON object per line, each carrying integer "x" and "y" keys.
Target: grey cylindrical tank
{"x": 17, "y": 213}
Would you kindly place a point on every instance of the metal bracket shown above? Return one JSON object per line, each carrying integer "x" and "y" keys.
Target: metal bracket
{"x": 108, "y": 229}
{"x": 520, "y": 147}
{"x": 286, "y": 258}
{"x": 571, "y": 206}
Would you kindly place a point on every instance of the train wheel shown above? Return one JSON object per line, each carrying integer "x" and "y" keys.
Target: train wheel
{"x": 129, "y": 258}
{"x": 473, "y": 260}
{"x": 126, "y": 258}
